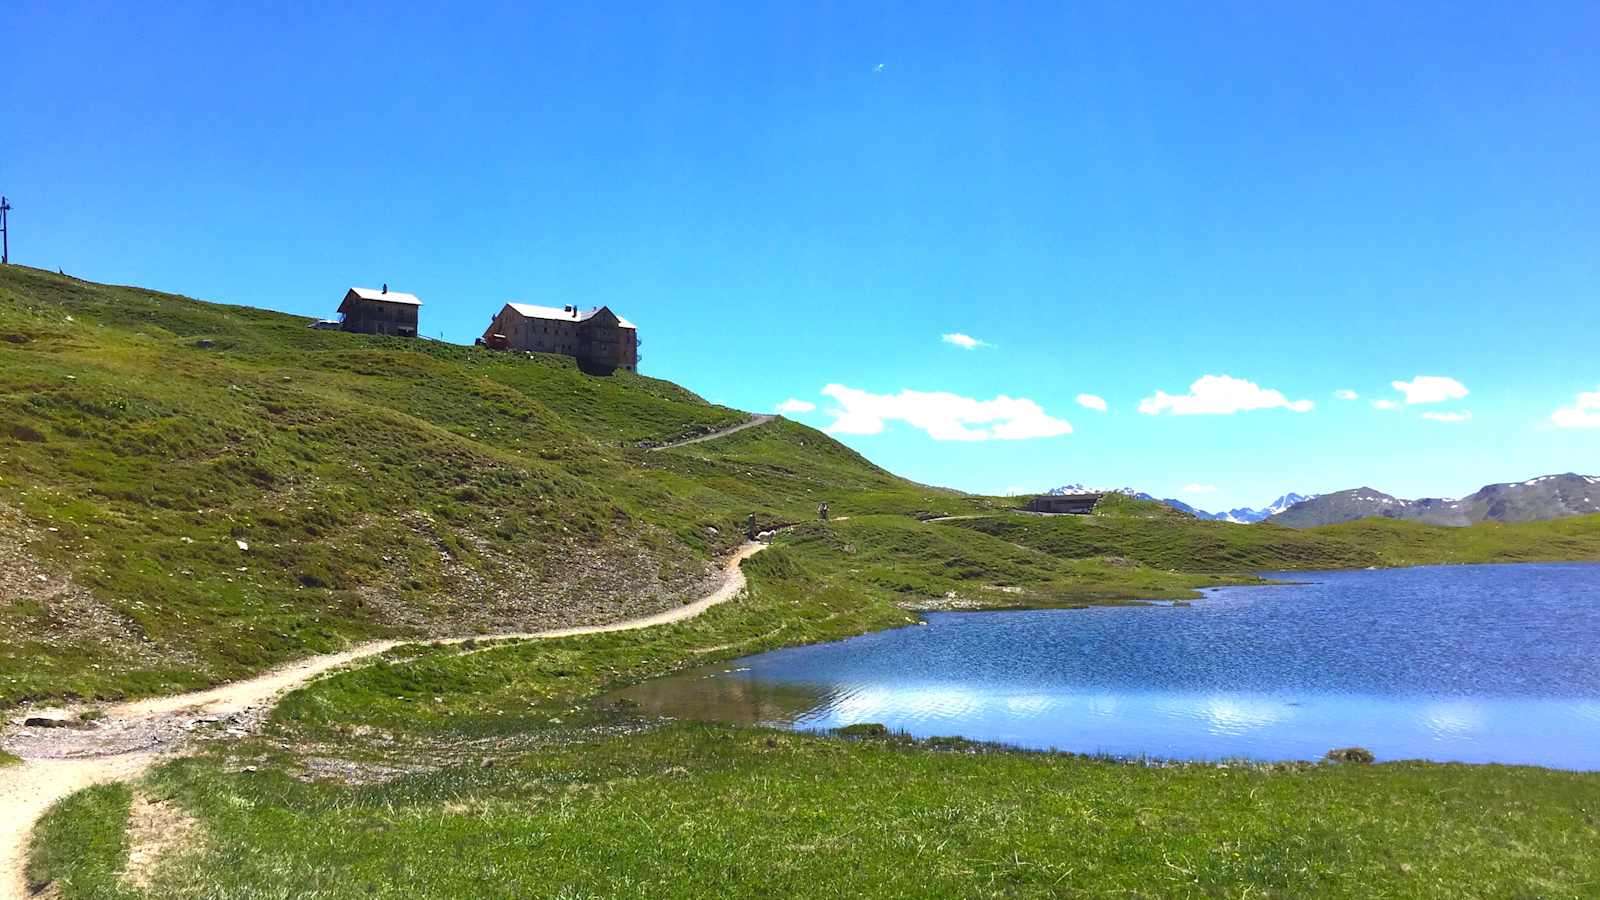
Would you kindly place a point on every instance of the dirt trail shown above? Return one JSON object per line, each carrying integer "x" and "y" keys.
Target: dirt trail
{"x": 751, "y": 422}
{"x": 134, "y": 736}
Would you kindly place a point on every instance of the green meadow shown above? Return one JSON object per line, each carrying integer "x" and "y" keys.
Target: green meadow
{"x": 399, "y": 488}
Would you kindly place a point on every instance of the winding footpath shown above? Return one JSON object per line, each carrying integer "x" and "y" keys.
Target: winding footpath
{"x": 753, "y": 421}
{"x": 136, "y": 735}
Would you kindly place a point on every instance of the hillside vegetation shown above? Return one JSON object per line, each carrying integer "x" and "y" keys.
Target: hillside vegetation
{"x": 381, "y": 485}
{"x": 190, "y": 492}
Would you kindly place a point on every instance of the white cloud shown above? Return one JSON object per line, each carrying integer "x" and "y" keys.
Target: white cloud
{"x": 795, "y": 405}
{"x": 1385, "y": 404}
{"x": 1448, "y": 416}
{"x": 1430, "y": 389}
{"x": 1346, "y": 394}
{"x": 964, "y": 341}
{"x": 1213, "y": 395}
{"x": 944, "y": 416}
{"x": 1090, "y": 401}
{"x": 1583, "y": 413}
{"x": 1199, "y": 489}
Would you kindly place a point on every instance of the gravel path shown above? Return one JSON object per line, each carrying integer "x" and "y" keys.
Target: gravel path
{"x": 134, "y": 736}
{"x": 751, "y": 422}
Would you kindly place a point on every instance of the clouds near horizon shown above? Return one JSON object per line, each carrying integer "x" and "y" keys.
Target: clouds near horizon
{"x": 943, "y": 416}
{"x": 1220, "y": 395}
{"x": 1448, "y": 416}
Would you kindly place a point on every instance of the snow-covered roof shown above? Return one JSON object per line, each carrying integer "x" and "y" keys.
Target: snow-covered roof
{"x": 529, "y": 310}
{"x": 390, "y": 297}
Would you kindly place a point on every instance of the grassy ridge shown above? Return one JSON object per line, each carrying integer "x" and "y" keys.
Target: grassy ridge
{"x": 1400, "y": 543}
{"x": 1179, "y": 542}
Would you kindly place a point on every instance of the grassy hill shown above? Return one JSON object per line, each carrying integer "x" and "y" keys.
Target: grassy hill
{"x": 190, "y": 492}
{"x": 398, "y": 487}
{"x": 381, "y": 485}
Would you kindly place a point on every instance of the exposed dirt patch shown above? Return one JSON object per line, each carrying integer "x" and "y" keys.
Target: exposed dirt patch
{"x": 555, "y": 584}
{"x": 157, "y": 829}
{"x": 46, "y": 607}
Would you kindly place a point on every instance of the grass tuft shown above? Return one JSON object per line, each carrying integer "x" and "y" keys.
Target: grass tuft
{"x": 81, "y": 845}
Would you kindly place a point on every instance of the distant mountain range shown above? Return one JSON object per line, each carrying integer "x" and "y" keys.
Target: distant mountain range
{"x": 1546, "y": 497}
{"x": 1243, "y": 515}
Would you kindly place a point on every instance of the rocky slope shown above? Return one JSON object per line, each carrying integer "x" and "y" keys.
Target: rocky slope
{"x": 1545, "y": 497}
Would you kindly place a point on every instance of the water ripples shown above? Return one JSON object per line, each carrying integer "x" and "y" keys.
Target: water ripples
{"x": 1468, "y": 663}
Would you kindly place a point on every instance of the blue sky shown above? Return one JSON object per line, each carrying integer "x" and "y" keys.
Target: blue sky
{"x": 1116, "y": 199}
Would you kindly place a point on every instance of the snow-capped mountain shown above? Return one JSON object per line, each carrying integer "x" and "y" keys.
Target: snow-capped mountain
{"x": 1243, "y": 515}
{"x": 1086, "y": 489}
{"x": 1246, "y": 514}
{"x": 1545, "y": 497}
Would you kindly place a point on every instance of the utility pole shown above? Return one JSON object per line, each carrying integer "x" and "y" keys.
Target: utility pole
{"x": 5, "y": 234}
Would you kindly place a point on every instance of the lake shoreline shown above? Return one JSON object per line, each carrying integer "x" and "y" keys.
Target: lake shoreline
{"x": 1398, "y": 695}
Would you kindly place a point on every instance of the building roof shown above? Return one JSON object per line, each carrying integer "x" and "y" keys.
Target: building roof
{"x": 530, "y": 311}
{"x": 391, "y": 297}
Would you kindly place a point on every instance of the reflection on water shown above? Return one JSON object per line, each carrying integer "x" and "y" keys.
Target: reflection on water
{"x": 1473, "y": 663}
{"x": 711, "y": 696}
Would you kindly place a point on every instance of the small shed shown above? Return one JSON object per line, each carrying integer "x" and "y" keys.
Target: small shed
{"x": 1064, "y": 504}
{"x": 382, "y": 311}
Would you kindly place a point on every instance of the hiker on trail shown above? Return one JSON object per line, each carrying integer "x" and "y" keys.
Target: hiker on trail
{"x": 822, "y": 511}
{"x": 750, "y": 528}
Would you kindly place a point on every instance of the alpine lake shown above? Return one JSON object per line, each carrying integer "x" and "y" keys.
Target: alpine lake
{"x": 1476, "y": 664}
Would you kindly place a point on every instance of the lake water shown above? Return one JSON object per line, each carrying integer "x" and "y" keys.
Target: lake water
{"x": 1497, "y": 663}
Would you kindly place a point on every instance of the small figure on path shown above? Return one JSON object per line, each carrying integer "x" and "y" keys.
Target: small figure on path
{"x": 822, "y": 511}
{"x": 750, "y": 527}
